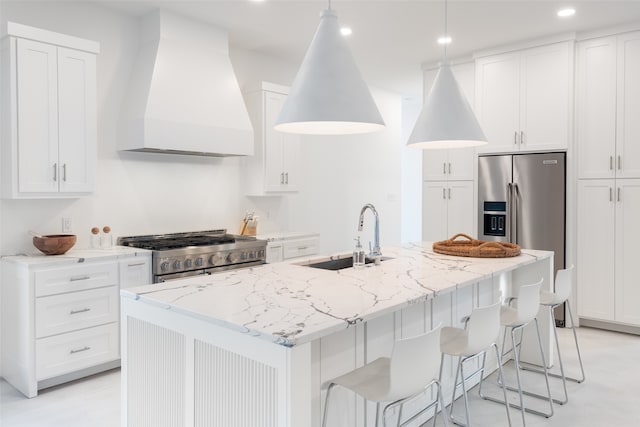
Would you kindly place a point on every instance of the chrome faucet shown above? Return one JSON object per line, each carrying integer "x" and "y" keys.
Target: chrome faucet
{"x": 375, "y": 252}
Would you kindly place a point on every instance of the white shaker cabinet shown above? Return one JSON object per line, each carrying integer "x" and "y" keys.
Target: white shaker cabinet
{"x": 447, "y": 209}
{"x": 608, "y": 232}
{"x": 274, "y": 167}
{"x": 60, "y": 315}
{"x": 524, "y": 98}
{"x": 289, "y": 245}
{"x": 135, "y": 271}
{"x": 608, "y": 107}
{"x": 49, "y": 146}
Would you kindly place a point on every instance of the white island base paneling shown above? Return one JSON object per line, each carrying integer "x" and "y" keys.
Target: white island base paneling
{"x": 183, "y": 370}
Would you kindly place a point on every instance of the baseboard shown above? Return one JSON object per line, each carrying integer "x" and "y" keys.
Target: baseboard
{"x": 50, "y": 382}
{"x": 610, "y": 326}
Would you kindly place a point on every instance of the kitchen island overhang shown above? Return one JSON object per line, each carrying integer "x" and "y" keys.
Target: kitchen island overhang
{"x": 251, "y": 343}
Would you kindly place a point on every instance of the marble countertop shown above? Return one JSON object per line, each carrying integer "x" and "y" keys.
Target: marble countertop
{"x": 289, "y": 303}
{"x": 75, "y": 256}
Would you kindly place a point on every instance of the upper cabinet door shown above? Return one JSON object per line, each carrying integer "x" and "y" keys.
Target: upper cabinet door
{"x": 523, "y": 99}
{"x": 76, "y": 120}
{"x": 498, "y": 99}
{"x": 545, "y": 97}
{"x": 274, "y": 178}
{"x": 627, "y": 160}
{"x": 37, "y": 110}
{"x": 596, "y": 108}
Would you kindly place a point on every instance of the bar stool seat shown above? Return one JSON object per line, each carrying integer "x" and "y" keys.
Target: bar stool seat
{"x": 412, "y": 368}
{"x": 481, "y": 331}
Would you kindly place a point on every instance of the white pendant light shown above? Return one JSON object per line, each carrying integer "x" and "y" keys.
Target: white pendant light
{"x": 446, "y": 120}
{"x": 328, "y": 95}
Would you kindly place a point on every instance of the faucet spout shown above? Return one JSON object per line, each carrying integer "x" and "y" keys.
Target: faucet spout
{"x": 375, "y": 252}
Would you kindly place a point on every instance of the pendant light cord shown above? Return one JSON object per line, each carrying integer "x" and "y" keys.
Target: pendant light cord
{"x": 446, "y": 33}
{"x": 329, "y": 4}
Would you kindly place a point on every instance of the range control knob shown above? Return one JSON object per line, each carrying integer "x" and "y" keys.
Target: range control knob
{"x": 216, "y": 259}
{"x": 199, "y": 262}
{"x": 233, "y": 257}
{"x": 164, "y": 266}
{"x": 244, "y": 256}
{"x": 177, "y": 264}
{"x": 188, "y": 263}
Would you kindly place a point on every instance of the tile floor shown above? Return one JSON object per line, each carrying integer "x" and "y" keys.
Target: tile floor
{"x": 609, "y": 397}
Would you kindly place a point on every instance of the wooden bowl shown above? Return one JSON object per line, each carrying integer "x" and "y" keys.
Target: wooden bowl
{"x": 54, "y": 244}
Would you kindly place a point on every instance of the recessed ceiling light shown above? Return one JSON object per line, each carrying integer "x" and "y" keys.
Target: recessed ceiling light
{"x": 444, "y": 40}
{"x": 563, "y": 13}
{"x": 345, "y": 31}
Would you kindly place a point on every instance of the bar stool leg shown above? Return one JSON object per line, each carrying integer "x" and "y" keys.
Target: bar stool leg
{"x": 562, "y": 375}
{"x": 326, "y": 406}
{"x": 516, "y": 357}
{"x": 575, "y": 338}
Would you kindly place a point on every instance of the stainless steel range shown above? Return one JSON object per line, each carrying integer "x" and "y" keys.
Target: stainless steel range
{"x": 179, "y": 255}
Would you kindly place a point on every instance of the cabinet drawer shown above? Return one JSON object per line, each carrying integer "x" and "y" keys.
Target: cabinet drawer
{"x": 135, "y": 271}
{"x": 300, "y": 247}
{"x": 57, "y": 314}
{"x": 76, "y": 278}
{"x": 61, "y": 354}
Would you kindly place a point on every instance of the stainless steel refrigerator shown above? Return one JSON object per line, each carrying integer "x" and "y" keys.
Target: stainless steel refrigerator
{"x": 522, "y": 199}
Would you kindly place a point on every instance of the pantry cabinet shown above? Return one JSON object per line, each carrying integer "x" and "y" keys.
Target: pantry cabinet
{"x": 447, "y": 209}
{"x": 49, "y": 146}
{"x": 608, "y": 232}
{"x": 524, "y": 99}
{"x": 274, "y": 167}
{"x": 60, "y": 315}
{"x": 608, "y": 107}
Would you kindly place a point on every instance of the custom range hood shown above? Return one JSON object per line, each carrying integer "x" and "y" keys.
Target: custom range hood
{"x": 183, "y": 96}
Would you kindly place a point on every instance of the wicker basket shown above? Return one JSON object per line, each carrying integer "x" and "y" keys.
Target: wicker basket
{"x": 476, "y": 248}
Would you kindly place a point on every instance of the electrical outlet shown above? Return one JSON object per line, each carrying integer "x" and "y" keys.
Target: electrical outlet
{"x": 66, "y": 224}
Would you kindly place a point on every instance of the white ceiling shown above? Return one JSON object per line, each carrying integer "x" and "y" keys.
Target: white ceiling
{"x": 392, "y": 38}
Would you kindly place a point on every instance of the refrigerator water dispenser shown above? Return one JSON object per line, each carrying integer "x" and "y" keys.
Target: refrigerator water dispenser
{"x": 495, "y": 217}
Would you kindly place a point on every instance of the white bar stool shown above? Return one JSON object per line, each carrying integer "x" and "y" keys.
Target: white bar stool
{"x": 481, "y": 331}
{"x": 412, "y": 368}
{"x": 551, "y": 300}
{"x": 516, "y": 318}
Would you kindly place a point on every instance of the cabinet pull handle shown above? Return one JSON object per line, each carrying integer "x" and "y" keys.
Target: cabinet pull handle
{"x": 302, "y": 248}
{"x": 136, "y": 264}
{"x": 619, "y": 194}
{"x": 515, "y": 138}
{"x": 521, "y": 137}
{"x": 444, "y": 168}
{"x": 286, "y": 178}
{"x": 610, "y": 194}
{"x": 78, "y": 278}
{"x": 281, "y": 177}
{"x": 449, "y": 193}
{"x": 619, "y": 162}
{"x": 64, "y": 172}
{"x": 82, "y": 310}
{"x": 444, "y": 193}
{"x": 449, "y": 168}
{"x": 611, "y": 163}
{"x": 85, "y": 348}
{"x": 55, "y": 171}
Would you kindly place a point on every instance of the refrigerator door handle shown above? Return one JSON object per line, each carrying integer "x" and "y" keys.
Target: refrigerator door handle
{"x": 515, "y": 196}
{"x": 510, "y": 209}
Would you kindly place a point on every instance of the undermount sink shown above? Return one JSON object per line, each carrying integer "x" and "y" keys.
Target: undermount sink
{"x": 340, "y": 263}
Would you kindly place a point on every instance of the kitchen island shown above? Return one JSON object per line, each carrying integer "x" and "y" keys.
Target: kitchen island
{"x": 253, "y": 347}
